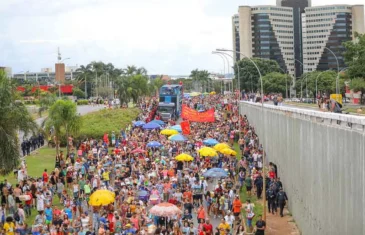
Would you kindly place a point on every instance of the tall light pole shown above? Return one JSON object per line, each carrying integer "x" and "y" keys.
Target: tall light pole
{"x": 238, "y": 71}
{"x": 338, "y": 70}
{"x": 224, "y": 67}
{"x": 263, "y": 125}
{"x": 306, "y": 82}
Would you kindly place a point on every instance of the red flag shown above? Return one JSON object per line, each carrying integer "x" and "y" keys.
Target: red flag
{"x": 185, "y": 127}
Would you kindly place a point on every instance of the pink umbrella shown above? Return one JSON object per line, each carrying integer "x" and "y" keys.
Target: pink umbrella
{"x": 165, "y": 209}
{"x": 138, "y": 150}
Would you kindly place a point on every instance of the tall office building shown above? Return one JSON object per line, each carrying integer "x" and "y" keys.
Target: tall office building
{"x": 267, "y": 32}
{"x": 236, "y": 36}
{"x": 298, "y": 8}
{"x": 325, "y": 28}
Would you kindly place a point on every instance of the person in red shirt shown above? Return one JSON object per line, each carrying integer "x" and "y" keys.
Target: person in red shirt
{"x": 28, "y": 203}
{"x": 45, "y": 176}
{"x": 208, "y": 227}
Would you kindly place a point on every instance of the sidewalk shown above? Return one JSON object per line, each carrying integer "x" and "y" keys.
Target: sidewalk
{"x": 277, "y": 225}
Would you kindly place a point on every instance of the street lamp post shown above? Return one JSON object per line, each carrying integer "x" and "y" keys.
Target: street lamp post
{"x": 338, "y": 70}
{"x": 224, "y": 68}
{"x": 226, "y": 54}
{"x": 263, "y": 125}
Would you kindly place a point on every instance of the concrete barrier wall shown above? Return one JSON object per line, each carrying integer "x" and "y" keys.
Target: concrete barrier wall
{"x": 320, "y": 159}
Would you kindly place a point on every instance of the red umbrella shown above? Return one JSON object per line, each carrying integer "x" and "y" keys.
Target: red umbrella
{"x": 165, "y": 209}
{"x": 138, "y": 150}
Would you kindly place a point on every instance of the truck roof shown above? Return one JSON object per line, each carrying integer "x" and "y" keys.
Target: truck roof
{"x": 172, "y": 86}
{"x": 166, "y": 104}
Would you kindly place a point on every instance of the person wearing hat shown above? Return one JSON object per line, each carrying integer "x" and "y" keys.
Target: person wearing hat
{"x": 128, "y": 229}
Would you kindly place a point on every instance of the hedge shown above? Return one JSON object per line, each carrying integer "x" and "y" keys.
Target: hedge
{"x": 82, "y": 102}
{"x": 95, "y": 124}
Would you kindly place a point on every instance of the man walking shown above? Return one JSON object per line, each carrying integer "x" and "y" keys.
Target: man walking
{"x": 271, "y": 196}
{"x": 281, "y": 198}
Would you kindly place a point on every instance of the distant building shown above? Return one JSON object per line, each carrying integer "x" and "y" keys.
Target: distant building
{"x": 46, "y": 70}
{"x": 7, "y": 70}
{"x": 266, "y": 32}
{"x": 325, "y": 29}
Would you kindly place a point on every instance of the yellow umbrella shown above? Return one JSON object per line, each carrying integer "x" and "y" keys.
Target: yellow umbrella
{"x": 184, "y": 157}
{"x": 221, "y": 146}
{"x": 228, "y": 151}
{"x": 213, "y": 93}
{"x": 207, "y": 152}
{"x": 195, "y": 94}
{"x": 101, "y": 198}
{"x": 169, "y": 132}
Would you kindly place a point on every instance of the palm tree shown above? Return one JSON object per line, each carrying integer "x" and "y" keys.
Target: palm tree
{"x": 130, "y": 70}
{"x": 141, "y": 71}
{"x": 14, "y": 117}
{"x": 63, "y": 116}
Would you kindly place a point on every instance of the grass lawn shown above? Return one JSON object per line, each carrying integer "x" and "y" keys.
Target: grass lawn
{"x": 95, "y": 124}
{"x": 43, "y": 158}
{"x": 258, "y": 208}
{"x": 39, "y": 160}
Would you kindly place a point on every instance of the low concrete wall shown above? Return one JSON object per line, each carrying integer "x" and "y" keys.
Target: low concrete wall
{"x": 320, "y": 159}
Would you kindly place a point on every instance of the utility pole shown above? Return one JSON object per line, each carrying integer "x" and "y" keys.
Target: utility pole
{"x": 96, "y": 83}
{"x": 85, "y": 88}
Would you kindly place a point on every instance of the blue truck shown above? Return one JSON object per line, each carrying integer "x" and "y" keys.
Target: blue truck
{"x": 170, "y": 103}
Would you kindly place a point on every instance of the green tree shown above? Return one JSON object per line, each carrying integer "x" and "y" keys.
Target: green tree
{"x": 14, "y": 117}
{"x": 63, "y": 116}
{"x": 46, "y": 100}
{"x": 355, "y": 56}
{"x": 249, "y": 76}
{"x": 358, "y": 84}
{"x": 155, "y": 85}
{"x": 276, "y": 83}
{"x": 200, "y": 75}
{"x": 78, "y": 93}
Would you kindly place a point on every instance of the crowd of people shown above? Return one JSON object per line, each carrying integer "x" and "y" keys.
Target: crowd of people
{"x": 151, "y": 175}
{"x": 31, "y": 144}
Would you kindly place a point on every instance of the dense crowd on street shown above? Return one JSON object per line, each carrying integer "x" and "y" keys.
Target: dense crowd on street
{"x": 142, "y": 176}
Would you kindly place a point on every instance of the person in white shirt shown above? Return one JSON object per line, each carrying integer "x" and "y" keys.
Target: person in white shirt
{"x": 229, "y": 219}
{"x": 40, "y": 201}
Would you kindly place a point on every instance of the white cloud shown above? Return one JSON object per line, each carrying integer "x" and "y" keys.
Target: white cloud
{"x": 165, "y": 36}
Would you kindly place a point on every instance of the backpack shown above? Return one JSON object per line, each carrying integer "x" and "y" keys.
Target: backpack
{"x": 16, "y": 216}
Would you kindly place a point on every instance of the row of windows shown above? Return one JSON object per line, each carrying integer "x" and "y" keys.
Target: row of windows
{"x": 321, "y": 14}
{"x": 283, "y": 31}
{"x": 281, "y": 20}
{"x": 327, "y": 8}
{"x": 313, "y": 42}
{"x": 288, "y": 53}
{"x": 318, "y": 31}
{"x": 283, "y": 26}
{"x": 286, "y": 42}
{"x": 319, "y": 20}
{"x": 283, "y": 36}
{"x": 312, "y": 53}
{"x": 317, "y": 36}
{"x": 281, "y": 15}
{"x": 271, "y": 8}
{"x": 288, "y": 48}
{"x": 318, "y": 25}
{"x": 315, "y": 47}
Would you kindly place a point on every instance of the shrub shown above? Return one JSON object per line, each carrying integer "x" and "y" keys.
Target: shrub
{"x": 82, "y": 102}
{"x": 95, "y": 124}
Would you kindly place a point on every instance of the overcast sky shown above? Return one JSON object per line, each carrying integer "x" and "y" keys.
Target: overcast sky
{"x": 165, "y": 36}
